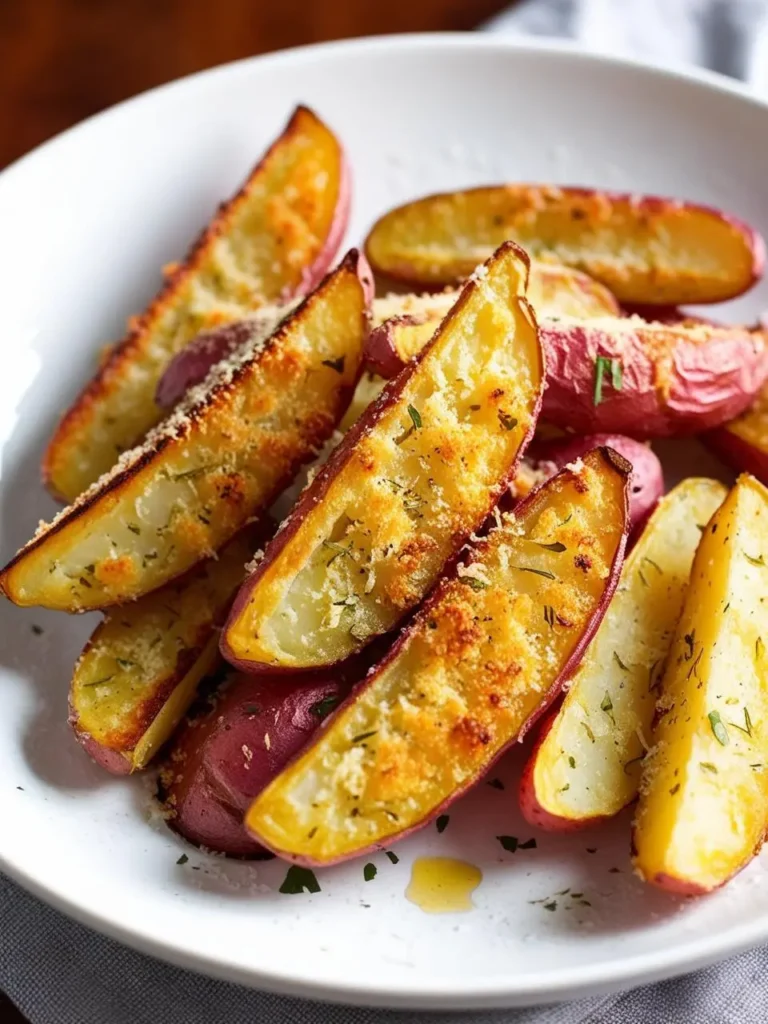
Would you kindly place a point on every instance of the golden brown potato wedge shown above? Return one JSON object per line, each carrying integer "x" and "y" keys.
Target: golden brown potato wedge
{"x": 646, "y": 249}
{"x": 703, "y": 809}
{"x": 405, "y": 488}
{"x": 275, "y": 238}
{"x": 220, "y": 459}
{"x": 403, "y": 324}
{"x": 586, "y": 764}
{"x": 140, "y": 669}
{"x": 743, "y": 443}
{"x": 481, "y": 661}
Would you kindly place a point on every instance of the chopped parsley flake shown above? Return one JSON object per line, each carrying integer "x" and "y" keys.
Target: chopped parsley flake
{"x": 364, "y": 736}
{"x": 442, "y": 822}
{"x": 182, "y": 859}
{"x": 298, "y": 880}
{"x": 324, "y": 706}
{"x": 539, "y": 572}
{"x": 603, "y": 364}
{"x": 335, "y": 364}
{"x": 718, "y": 728}
{"x": 508, "y": 422}
{"x": 393, "y": 857}
{"x": 369, "y": 872}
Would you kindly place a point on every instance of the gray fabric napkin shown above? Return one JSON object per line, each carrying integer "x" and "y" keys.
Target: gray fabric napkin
{"x": 59, "y": 972}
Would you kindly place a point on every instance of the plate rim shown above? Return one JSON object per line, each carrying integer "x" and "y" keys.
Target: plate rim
{"x": 508, "y": 990}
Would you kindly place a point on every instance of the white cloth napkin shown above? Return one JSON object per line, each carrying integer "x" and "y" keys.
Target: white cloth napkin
{"x": 59, "y": 972}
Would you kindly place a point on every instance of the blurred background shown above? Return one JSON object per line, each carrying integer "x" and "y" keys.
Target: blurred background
{"x": 63, "y": 60}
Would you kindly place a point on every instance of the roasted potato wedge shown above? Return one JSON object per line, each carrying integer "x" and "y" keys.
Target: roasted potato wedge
{"x": 646, "y": 483}
{"x": 703, "y": 809}
{"x": 275, "y": 238}
{"x": 646, "y": 249}
{"x": 743, "y": 443}
{"x": 481, "y": 661}
{"x": 140, "y": 670}
{"x": 405, "y": 488}
{"x": 223, "y": 757}
{"x": 649, "y": 380}
{"x": 220, "y": 459}
{"x": 403, "y": 324}
{"x": 586, "y": 764}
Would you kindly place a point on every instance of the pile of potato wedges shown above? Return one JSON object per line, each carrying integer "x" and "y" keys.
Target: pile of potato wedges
{"x": 484, "y": 550}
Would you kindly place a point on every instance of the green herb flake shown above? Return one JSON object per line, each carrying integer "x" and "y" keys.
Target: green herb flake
{"x": 549, "y": 615}
{"x": 633, "y": 761}
{"x": 754, "y": 561}
{"x": 364, "y": 736}
{"x": 393, "y": 857}
{"x": 134, "y": 528}
{"x": 415, "y": 415}
{"x": 539, "y": 572}
{"x": 718, "y": 728}
{"x": 571, "y": 761}
{"x": 507, "y": 422}
{"x": 588, "y": 731}
{"x": 37, "y": 630}
{"x": 619, "y": 662}
{"x": 442, "y": 822}
{"x": 182, "y": 859}
{"x": 552, "y": 905}
{"x": 529, "y": 844}
{"x": 606, "y": 704}
{"x": 474, "y": 583}
{"x": 707, "y": 766}
{"x": 324, "y": 706}
{"x": 613, "y": 366}
{"x": 335, "y": 364}
{"x": 508, "y": 843}
{"x": 98, "y": 682}
{"x": 338, "y": 549}
{"x": 657, "y": 567}
{"x": 369, "y": 872}
{"x": 298, "y": 880}
{"x": 556, "y": 546}
{"x": 674, "y": 789}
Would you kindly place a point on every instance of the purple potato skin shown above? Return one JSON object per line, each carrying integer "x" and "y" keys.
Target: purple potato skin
{"x": 190, "y": 366}
{"x": 527, "y": 506}
{"x": 646, "y": 482}
{"x": 220, "y": 760}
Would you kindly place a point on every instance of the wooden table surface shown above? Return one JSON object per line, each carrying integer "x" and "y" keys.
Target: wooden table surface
{"x": 63, "y": 60}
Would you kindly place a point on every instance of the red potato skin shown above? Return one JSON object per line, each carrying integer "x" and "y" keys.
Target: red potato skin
{"x": 219, "y": 762}
{"x": 192, "y": 365}
{"x": 735, "y": 451}
{"x": 317, "y": 490}
{"x": 646, "y": 483}
{"x": 381, "y": 356}
{"x": 547, "y": 700}
{"x": 696, "y": 399}
{"x": 111, "y": 761}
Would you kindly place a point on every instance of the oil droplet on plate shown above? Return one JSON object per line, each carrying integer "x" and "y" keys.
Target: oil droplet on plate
{"x": 442, "y": 885}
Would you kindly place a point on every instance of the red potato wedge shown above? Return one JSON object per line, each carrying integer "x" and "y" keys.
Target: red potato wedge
{"x": 647, "y": 479}
{"x": 703, "y": 808}
{"x": 140, "y": 670}
{"x": 274, "y": 239}
{"x": 481, "y": 661}
{"x": 586, "y": 763}
{"x": 405, "y": 488}
{"x": 403, "y": 324}
{"x": 221, "y": 759}
{"x": 649, "y": 380}
{"x": 743, "y": 443}
{"x": 220, "y": 459}
{"x": 645, "y": 249}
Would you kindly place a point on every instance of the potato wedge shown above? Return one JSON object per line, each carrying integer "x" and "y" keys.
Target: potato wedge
{"x": 586, "y": 763}
{"x": 405, "y": 488}
{"x": 703, "y": 809}
{"x": 140, "y": 670}
{"x": 275, "y": 238}
{"x": 220, "y": 459}
{"x": 647, "y": 480}
{"x": 480, "y": 662}
{"x": 646, "y": 249}
{"x": 223, "y": 757}
{"x": 743, "y": 443}
{"x": 628, "y": 376}
{"x": 403, "y": 324}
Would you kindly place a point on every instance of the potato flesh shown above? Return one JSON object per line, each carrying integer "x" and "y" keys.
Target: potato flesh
{"x": 205, "y": 478}
{"x": 259, "y": 246}
{"x": 145, "y": 653}
{"x": 553, "y": 291}
{"x": 425, "y": 473}
{"x": 752, "y": 426}
{"x": 478, "y": 661}
{"x": 644, "y": 249}
{"x": 702, "y": 810}
{"x": 588, "y": 765}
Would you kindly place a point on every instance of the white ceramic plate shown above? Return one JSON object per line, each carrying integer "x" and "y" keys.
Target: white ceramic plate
{"x": 87, "y": 221}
